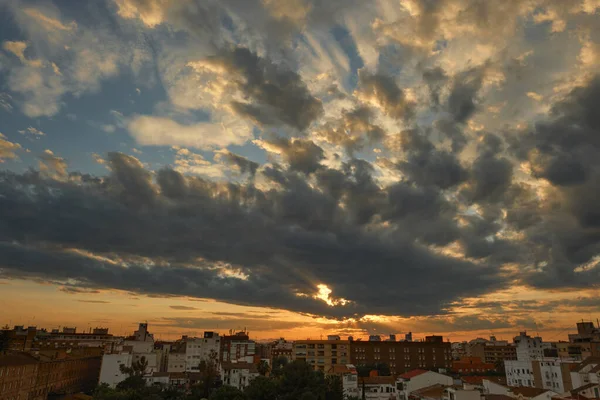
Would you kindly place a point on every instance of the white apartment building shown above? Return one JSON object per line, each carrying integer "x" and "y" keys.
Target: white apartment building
{"x": 200, "y": 349}
{"x": 454, "y": 393}
{"x": 588, "y": 372}
{"x": 238, "y": 374}
{"x": 176, "y": 362}
{"x": 242, "y": 351}
{"x": 551, "y": 374}
{"x": 110, "y": 370}
{"x": 519, "y": 373}
{"x": 529, "y": 348}
{"x": 377, "y": 388}
{"x": 419, "y": 379}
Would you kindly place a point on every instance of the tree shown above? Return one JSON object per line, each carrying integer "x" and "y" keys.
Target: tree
{"x": 135, "y": 382}
{"x": 138, "y": 368}
{"x": 227, "y": 393}
{"x": 262, "y": 388}
{"x": 263, "y": 368}
{"x": 278, "y": 364}
{"x": 335, "y": 388}
{"x": 210, "y": 373}
{"x": 364, "y": 370}
{"x": 4, "y": 339}
{"x": 297, "y": 378}
{"x": 499, "y": 364}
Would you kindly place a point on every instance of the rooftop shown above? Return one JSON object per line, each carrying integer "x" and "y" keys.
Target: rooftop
{"x": 528, "y": 391}
{"x": 16, "y": 359}
{"x": 434, "y": 391}
{"x": 584, "y": 387}
{"x": 239, "y": 365}
{"x": 497, "y": 397}
{"x": 413, "y": 373}
{"x": 378, "y": 380}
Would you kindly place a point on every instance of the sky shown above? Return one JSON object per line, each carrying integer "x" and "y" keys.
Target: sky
{"x": 301, "y": 167}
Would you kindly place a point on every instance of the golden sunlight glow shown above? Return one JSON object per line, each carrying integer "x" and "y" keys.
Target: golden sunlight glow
{"x": 324, "y": 295}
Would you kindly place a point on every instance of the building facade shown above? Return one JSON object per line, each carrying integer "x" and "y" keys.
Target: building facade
{"x": 238, "y": 374}
{"x": 519, "y": 373}
{"x": 176, "y": 362}
{"x": 110, "y": 371}
{"x": 470, "y": 365}
{"x": 322, "y": 354}
{"x": 433, "y": 353}
{"x": 201, "y": 349}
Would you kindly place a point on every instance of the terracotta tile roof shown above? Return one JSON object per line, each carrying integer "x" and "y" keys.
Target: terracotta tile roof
{"x": 584, "y": 387}
{"x": 528, "y": 391}
{"x": 473, "y": 380}
{"x": 377, "y": 380}
{"x": 341, "y": 369}
{"x": 434, "y": 391}
{"x": 586, "y": 362}
{"x": 15, "y": 359}
{"x": 497, "y": 397}
{"x": 499, "y": 380}
{"x": 413, "y": 373}
{"x": 240, "y": 365}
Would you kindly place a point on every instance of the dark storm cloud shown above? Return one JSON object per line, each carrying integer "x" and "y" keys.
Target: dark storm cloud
{"x": 490, "y": 178}
{"x": 76, "y": 290}
{"x": 277, "y": 95}
{"x": 435, "y": 78}
{"x": 385, "y": 92}
{"x": 166, "y": 234}
{"x": 251, "y": 324}
{"x": 353, "y": 131}
{"x": 565, "y": 149}
{"x": 302, "y": 155}
{"x": 462, "y": 101}
{"x": 245, "y": 165}
{"x": 94, "y": 301}
{"x": 426, "y": 165}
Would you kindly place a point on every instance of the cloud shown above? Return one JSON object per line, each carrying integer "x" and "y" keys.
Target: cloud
{"x": 58, "y": 58}
{"x": 8, "y": 149}
{"x": 183, "y": 308}
{"x": 315, "y": 236}
{"x": 52, "y": 165}
{"x": 383, "y": 92}
{"x": 275, "y": 95}
{"x": 18, "y": 49}
{"x": 94, "y": 301}
{"x": 188, "y": 162}
{"x": 355, "y": 130}
{"x": 428, "y": 139}
{"x": 160, "y": 131}
{"x": 251, "y": 324}
{"x": 5, "y": 102}
{"x": 243, "y": 164}
{"x": 301, "y": 155}
{"x": 76, "y": 290}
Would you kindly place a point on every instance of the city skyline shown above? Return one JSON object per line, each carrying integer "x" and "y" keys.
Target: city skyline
{"x": 297, "y": 166}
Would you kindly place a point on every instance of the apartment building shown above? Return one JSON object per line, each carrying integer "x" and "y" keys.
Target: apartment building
{"x": 553, "y": 374}
{"x": 433, "y": 353}
{"x": 529, "y": 348}
{"x": 470, "y": 365}
{"x": 322, "y": 354}
{"x": 237, "y": 347}
{"x": 201, "y": 349}
{"x": 493, "y": 354}
{"x": 24, "y": 376}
